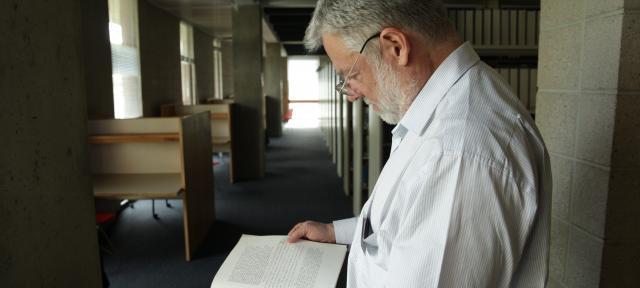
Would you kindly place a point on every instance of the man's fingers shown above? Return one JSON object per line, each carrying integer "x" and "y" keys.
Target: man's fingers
{"x": 293, "y": 229}
{"x": 353, "y": 98}
{"x": 297, "y": 232}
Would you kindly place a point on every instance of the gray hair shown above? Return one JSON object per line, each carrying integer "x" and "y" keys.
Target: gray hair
{"x": 356, "y": 20}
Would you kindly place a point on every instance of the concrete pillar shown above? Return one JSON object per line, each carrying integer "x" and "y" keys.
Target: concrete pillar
{"x": 47, "y": 218}
{"x": 159, "y": 58}
{"x": 273, "y": 89}
{"x": 97, "y": 58}
{"x": 227, "y": 68}
{"x": 203, "y": 52}
{"x": 588, "y": 101}
{"x": 248, "y": 122}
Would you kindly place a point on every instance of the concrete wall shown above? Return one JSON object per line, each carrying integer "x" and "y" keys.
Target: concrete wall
{"x": 273, "y": 88}
{"x": 227, "y": 68}
{"x": 48, "y": 235}
{"x": 203, "y": 50}
{"x": 159, "y": 58}
{"x": 97, "y": 58}
{"x": 247, "y": 73}
{"x": 587, "y": 112}
{"x": 621, "y": 254}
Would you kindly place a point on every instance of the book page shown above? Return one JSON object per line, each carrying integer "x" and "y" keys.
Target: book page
{"x": 269, "y": 261}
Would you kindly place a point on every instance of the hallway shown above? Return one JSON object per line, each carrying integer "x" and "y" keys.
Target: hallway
{"x": 300, "y": 184}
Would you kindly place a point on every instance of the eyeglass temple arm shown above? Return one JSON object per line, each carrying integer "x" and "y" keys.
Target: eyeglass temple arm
{"x": 368, "y": 39}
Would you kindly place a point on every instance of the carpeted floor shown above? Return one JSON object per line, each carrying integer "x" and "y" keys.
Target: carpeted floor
{"x": 300, "y": 184}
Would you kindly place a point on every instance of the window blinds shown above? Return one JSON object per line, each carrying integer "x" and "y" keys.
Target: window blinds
{"x": 217, "y": 69}
{"x": 187, "y": 64}
{"x": 125, "y": 59}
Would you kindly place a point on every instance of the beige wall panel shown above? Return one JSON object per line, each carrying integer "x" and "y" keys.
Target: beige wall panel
{"x": 135, "y": 126}
{"x": 559, "y": 58}
{"x": 584, "y": 258}
{"x": 556, "y": 118}
{"x": 558, "y": 249}
{"x": 601, "y": 53}
{"x": 562, "y": 169}
{"x": 594, "y": 139}
{"x": 127, "y": 158}
{"x": 597, "y": 7}
{"x": 589, "y": 198}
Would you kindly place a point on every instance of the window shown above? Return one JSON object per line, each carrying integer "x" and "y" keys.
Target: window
{"x": 123, "y": 35}
{"x": 217, "y": 69}
{"x": 187, "y": 64}
{"x": 304, "y": 90}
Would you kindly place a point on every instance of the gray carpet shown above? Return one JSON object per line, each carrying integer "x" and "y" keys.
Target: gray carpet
{"x": 300, "y": 184}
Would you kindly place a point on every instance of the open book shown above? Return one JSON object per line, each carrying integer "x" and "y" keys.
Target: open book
{"x": 269, "y": 261}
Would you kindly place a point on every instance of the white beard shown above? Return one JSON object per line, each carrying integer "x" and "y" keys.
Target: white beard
{"x": 393, "y": 99}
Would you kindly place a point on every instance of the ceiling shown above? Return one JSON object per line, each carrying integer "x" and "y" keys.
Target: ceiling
{"x": 214, "y": 18}
{"x": 284, "y": 21}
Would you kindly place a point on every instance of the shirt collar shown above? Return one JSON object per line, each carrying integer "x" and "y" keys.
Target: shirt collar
{"x": 445, "y": 76}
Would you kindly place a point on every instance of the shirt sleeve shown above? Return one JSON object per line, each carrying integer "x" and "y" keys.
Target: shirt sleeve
{"x": 465, "y": 225}
{"x": 344, "y": 230}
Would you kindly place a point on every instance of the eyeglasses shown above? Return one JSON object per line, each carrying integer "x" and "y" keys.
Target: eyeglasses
{"x": 341, "y": 86}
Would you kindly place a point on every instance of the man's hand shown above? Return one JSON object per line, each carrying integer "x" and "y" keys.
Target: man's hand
{"x": 314, "y": 231}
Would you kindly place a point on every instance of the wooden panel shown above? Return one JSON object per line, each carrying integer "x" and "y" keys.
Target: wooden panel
{"x": 135, "y": 158}
{"x": 199, "y": 205}
{"x": 134, "y": 126}
{"x": 220, "y": 116}
{"x": 137, "y": 186}
{"x": 213, "y": 108}
{"x": 220, "y": 129}
{"x": 221, "y": 140}
{"x": 121, "y": 138}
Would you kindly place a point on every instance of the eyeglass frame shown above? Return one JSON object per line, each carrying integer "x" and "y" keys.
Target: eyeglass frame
{"x": 342, "y": 83}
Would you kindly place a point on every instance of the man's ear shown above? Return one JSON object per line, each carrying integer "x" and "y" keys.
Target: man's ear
{"x": 395, "y": 46}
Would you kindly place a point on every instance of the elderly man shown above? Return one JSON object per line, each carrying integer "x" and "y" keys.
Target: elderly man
{"x": 463, "y": 200}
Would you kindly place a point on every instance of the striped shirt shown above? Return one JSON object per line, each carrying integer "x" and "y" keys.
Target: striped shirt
{"x": 464, "y": 199}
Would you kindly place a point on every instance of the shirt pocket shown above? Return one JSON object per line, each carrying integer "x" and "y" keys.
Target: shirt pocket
{"x": 370, "y": 244}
